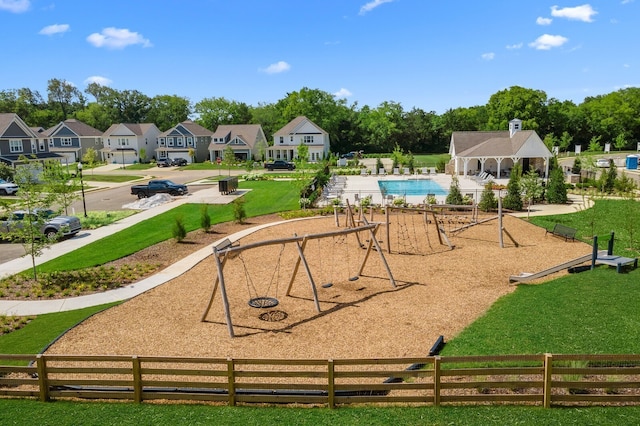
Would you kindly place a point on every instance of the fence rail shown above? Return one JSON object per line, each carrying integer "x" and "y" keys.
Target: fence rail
{"x": 544, "y": 380}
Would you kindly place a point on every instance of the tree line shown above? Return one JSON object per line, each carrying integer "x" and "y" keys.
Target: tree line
{"x": 611, "y": 118}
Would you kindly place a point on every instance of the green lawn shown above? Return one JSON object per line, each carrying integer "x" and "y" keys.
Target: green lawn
{"x": 265, "y": 197}
{"x": 430, "y": 160}
{"x": 109, "y": 178}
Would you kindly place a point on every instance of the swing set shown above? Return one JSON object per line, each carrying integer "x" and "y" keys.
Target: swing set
{"x": 269, "y": 297}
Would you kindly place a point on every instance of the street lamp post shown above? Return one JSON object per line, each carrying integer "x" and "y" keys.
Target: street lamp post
{"x": 84, "y": 203}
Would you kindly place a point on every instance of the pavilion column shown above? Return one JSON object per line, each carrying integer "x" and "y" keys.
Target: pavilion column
{"x": 466, "y": 166}
{"x": 499, "y": 162}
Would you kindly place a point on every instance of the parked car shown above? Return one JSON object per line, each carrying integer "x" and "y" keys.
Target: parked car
{"x": 52, "y": 225}
{"x": 179, "y": 162}
{"x": 163, "y": 162}
{"x": 7, "y": 188}
{"x": 279, "y": 165}
{"x": 603, "y": 162}
{"x": 154, "y": 187}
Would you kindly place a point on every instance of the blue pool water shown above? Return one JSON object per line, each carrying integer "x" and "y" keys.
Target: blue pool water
{"x": 410, "y": 187}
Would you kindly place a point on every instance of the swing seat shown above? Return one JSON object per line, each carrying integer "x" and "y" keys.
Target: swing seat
{"x": 263, "y": 302}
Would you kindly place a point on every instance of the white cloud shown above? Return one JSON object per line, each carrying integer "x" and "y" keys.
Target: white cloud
{"x": 15, "y": 6}
{"x": 514, "y": 46}
{"x": 276, "y": 68}
{"x": 488, "y": 56}
{"x": 627, "y": 1}
{"x": 102, "y": 81}
{"x": 117, "y": 38}
{"x": 543, "y": 21}
{"x": 547, "y": 41}
{"x": 342, "y": 93}
{"x": 372, "y": 5}
{"x": 582, "y": 13}
{"x": 54, "y": 29}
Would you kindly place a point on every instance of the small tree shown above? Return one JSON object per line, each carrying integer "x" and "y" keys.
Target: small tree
{"x": 556, "y": 190}
{"x": 303, "y": 154}
{"x": 205, "y": 218}
{"x": 239, "y": 214}
{"x": 488, "y": 200}
{"x": 607, "y": 180}
{"x": 577, "y": 166}
{"x": 228, "y": 157}
{"x": 379, "y": 165}
{"x": 6, "y": 172}
{"x": 179, "y": 231}
{"x": 531, "y": 187}
{"x": 261, "y": 146}
{"x": 565, "y": 141}
{"x": 594, "y": 144}
{"x": 192, "y": 154}
{"x": 397, "y": 156}
{"x": 90, "y": 157}
{"x": 455, "y": 196}
{"x": 32, "y": 198}
{"x": 58, "y": 181}
{"x": 513, "y": 199}
{"x": 620, "y": 142}
{"x": 143, "y": 155}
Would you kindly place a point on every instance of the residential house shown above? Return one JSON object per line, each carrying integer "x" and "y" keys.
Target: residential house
{"x": 71, "y": 139}
{"x": 497, "y": 152}
{"x": 127, "y": 143}
{"x": 299, "y": 131}
{"x": 244, "y": 139}
{"x": 17, "y": 139}
{"x": 178, "y": 141}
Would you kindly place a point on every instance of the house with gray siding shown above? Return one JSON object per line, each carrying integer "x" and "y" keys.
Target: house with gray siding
{"x": 245, "y": 140}
{"x": 178, "y": 141}
{"x": 17, "y": 139}
{"x": 71, "y": 139}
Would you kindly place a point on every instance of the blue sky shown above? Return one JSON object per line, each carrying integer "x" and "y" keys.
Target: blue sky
{"x": 428, "y": 54}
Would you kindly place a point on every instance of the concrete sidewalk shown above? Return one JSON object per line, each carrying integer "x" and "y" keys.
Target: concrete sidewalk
{"x": 211, "y": 196}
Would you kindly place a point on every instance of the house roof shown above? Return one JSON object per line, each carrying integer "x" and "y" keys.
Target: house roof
{"x": 8, "y": 123}
{"x": 295, "y": 125}
{"x": 496, "y": 144}
{"x": 137, "y": 129}
{"x": 191, "y": 127}
{"x": 249, "y": 133}
{"x": 78, "y": 127}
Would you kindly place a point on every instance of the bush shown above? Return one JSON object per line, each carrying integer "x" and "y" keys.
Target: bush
{"x": 205, "y": 218}
{"x": 488, "y": 200}
{"x": 179, "y": 231}
{"x": 557, "y": 190}
{"x": 239, "y": 214}
{"x": 455, "y": 196}
{"x": 513, "y": 199}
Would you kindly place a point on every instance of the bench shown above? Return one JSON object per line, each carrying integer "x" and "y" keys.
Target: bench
{"x": 223, "y": 245}
{"x": 562, "y": 231}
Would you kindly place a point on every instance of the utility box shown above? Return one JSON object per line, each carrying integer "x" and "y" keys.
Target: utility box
{"x": 228, "y": 185}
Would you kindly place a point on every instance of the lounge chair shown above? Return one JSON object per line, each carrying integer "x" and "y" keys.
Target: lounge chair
{"x": 364, "y": 172}
{"x": 396, "y": 171}
{"x": 382, "y": 171}
{"x": 432, "y": 170}
{"x": 406, "y": 171}
{"x": 424, "y": 170}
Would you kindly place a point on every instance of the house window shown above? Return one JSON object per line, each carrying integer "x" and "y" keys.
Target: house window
{"x": 51, "y": 143}
{"x": 190, "y": 141}
{"x": 65, "y": 141}
{"x": 281, "y": 139}
{"x": 179, "y": 141}
{"x": 15, "y": 145}
{"x": 161, "y": 141}
{"x": 41, "y": 145}
{"x": 170, "y": 141}
{"x": 291, "y": 138}
{"x": 123, "y": 142}
{"x": 308, "y": 139}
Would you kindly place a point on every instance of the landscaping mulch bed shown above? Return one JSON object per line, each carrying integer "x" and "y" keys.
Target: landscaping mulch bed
{"x": 439, "y": 292}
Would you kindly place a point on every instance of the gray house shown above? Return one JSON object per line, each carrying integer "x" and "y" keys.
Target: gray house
{"x": 183, "y": 137}
{"x": 244, "y": 139}
{"x": 125, "y": 143}
{"x": 71, "y": 139}
{"x": 17, "y": 139}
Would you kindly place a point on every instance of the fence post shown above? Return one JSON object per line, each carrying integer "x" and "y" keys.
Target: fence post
{"x": 137, "y": 380}
{"x": 231, "y": 381}
{"x": 546, "y": 390}
{"x": 42, "y": 377}
{"x": 331, "y": 390}
{"x": 436, "y": 381}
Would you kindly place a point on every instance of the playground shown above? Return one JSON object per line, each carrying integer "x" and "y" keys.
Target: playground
{"x": 413, "y": 287}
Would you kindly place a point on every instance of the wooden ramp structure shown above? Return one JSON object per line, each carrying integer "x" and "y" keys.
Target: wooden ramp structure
{"x": 526, "y": 277}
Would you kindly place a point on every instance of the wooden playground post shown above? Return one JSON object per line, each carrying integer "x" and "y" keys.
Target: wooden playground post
{"x": 388, "y": 222}
{"x": 314, "y": 290}
{"x": 500, "y": 222}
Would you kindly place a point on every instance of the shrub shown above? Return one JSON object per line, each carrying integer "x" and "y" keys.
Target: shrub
{"x": 488, "y": 200}
{"x": 239, "y": 214}
{"x": 513, "y": 199}
{"x": 557, "y": 190}
{"x": 205, "y": 218}
{"x": 179, "y": 231}
{"x": 455, "y": 196}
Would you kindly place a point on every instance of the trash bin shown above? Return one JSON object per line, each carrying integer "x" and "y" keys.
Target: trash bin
{"x": 632, "y": 162}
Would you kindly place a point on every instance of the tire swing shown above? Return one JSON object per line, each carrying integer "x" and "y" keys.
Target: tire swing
{"x": 263, "y": 301}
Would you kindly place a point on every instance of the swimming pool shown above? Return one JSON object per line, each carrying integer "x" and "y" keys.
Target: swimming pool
{"x": 410, "y": 187}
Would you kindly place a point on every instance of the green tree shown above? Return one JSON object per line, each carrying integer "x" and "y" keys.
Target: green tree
{"x": 212, "y": 112}
{"x": 556, "y": 190}
{"x": 205, "y": 218}
{"x": 607, "y": 180}
{"x": 302, "y": 154}
{"x": 455, "y": 195}
{"x": 32, "y": 198}
{"x": 577, "y": 166}
{"x": 58, "y": 181}
{"x": 165, "y": 111}
{"x": 550, "y": 141}
{"x": 488, "y": 200}
{"x": 565, "y": 141}
{"x": 179, "y": 230}
{"x": 6, "y": 172}
{"x": 513, "y": 199}
{"x": 228, "y": 157}
{"x": 620, "y": 142}
{"x": 594, "y": 144}
{"x": 143, "y": 155}
{"x": 89, "y": 158}
{"x": 64, "y": 97}
{"x": 531, "y": 187}
{"x": 239, "y": 213}
{"x": 192, "y": 154}
{"x": 527, "y": 105}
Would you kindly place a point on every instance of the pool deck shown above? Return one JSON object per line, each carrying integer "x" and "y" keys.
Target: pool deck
{"x": 363, "y": 186}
